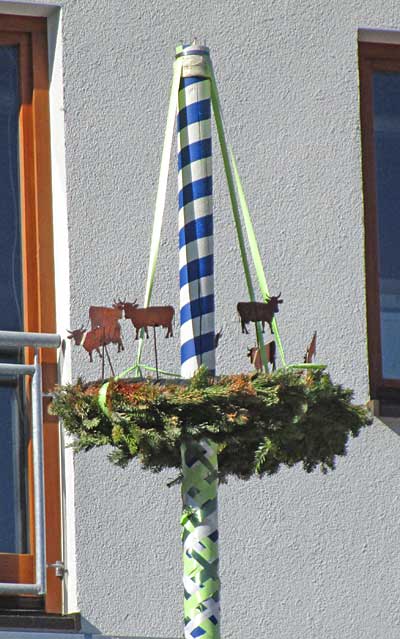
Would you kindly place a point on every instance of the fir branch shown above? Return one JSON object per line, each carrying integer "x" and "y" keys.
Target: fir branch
{"x": 259, "y": 421}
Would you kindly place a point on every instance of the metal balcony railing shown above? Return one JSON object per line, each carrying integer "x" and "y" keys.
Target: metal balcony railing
{"x": 9, "y": 339}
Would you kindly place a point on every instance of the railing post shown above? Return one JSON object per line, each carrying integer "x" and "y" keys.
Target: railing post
{"x": 38, "y": 476}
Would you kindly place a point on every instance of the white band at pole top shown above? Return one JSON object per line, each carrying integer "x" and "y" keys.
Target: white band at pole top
{"x": 195, "y": 60}
{"x": 191, "y": 49}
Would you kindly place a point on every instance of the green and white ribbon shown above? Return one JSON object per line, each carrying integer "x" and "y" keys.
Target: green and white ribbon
{"x": 200, "y": 540}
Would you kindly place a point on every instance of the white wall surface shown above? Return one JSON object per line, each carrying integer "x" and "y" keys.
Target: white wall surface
{"x": 301, "y": 556}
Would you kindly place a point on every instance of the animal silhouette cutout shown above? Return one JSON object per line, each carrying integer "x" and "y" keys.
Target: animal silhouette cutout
{"x": 311, "y": 351}
{"x": 258, "y": 312}
{"x": 255, "y": 356}
{"x": 96, "y": 338}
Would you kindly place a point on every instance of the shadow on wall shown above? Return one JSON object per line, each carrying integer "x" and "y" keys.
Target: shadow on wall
{"x": 392, "y": 423}
{"x": 388, "y": 413}
{"x": 91, "y": 632}
{"x": 120, "y": 637}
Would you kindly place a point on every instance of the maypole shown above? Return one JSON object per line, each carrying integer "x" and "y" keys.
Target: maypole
{"x": 131, "y": 434}
{"x": 196, "y": 274}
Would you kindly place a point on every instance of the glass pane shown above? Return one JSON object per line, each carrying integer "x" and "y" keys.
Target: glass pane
{"x": 10, "y": 236}
{"x": 12, "y": 470}
{"x": 12, "y": 423}
{"x": 386, "y": 86}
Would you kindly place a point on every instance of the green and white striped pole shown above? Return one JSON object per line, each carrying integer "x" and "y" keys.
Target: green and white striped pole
{"x": 200, "y": 540}
{"x": 196, "y": 261}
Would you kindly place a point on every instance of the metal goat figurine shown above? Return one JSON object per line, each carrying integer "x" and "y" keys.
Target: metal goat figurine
{"x": 258, "y": 312}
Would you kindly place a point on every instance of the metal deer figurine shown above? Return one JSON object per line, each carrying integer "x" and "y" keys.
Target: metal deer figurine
{"x": 258, "y": 312}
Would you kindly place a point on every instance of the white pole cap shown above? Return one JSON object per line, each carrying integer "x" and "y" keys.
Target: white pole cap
{"x": 195, "y": 59}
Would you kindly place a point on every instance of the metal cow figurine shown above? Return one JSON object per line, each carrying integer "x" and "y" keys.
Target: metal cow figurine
{"x": 258, "y": 312}
{"x": 255, "y": 355}
{"x": 97, "y": 337}
{"x": 104, "y": 315}
{"x": 150, "y": 316}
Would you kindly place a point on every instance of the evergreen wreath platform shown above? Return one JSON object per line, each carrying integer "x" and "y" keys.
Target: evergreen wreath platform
{"x": 258, "y": 421}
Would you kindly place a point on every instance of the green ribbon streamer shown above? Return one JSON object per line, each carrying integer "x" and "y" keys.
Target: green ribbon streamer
{"x": 235, "y": 208}
{"x": 102, "y": 394}
{"x": 307, "y": 366}
{"x": 235, "y": 184}
{"x": 156, "y": 232}
{"x": 102, "y": 399}
{"x": 255, "y": 253}
{"x": 161, "y": 193}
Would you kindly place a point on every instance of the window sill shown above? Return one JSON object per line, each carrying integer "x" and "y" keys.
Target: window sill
{"x": 385, "y": 407}
{"x": 30, "y": 620}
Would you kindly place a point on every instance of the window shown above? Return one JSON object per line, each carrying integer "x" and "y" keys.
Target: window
{"x": 26, "y": 298}
{"x": 380, "y": 121}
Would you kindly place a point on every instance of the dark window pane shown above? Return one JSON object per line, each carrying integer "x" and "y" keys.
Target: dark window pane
{"x": 386, "y": 87}
{"x": 12, "y": 423}
{"x": 12, "y": 470}
{"x": 10, "y": 236}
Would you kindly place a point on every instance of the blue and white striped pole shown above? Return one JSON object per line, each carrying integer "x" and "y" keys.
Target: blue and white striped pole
{"x": 196, "y": 251}
{"x": 196, "y": 264}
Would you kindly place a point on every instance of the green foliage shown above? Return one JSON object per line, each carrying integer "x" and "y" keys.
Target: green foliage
{"x": 258, "y": 421}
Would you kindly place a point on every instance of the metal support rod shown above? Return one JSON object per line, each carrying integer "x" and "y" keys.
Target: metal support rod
{"x": 102, "y": 360}
{"x": 37, "y": 340}
{"x": 20, "y": 589}
{"x": 7, "y": 370}
{"x": 109, "y": 361}
{"x": 155, "y": 351}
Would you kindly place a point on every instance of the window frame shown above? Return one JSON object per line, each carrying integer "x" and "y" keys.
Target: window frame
{"x": 374, "y": 57}
{"x": 30, "y": 34}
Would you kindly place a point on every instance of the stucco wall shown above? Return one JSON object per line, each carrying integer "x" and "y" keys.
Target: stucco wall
{"x": 301, "y": 556}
